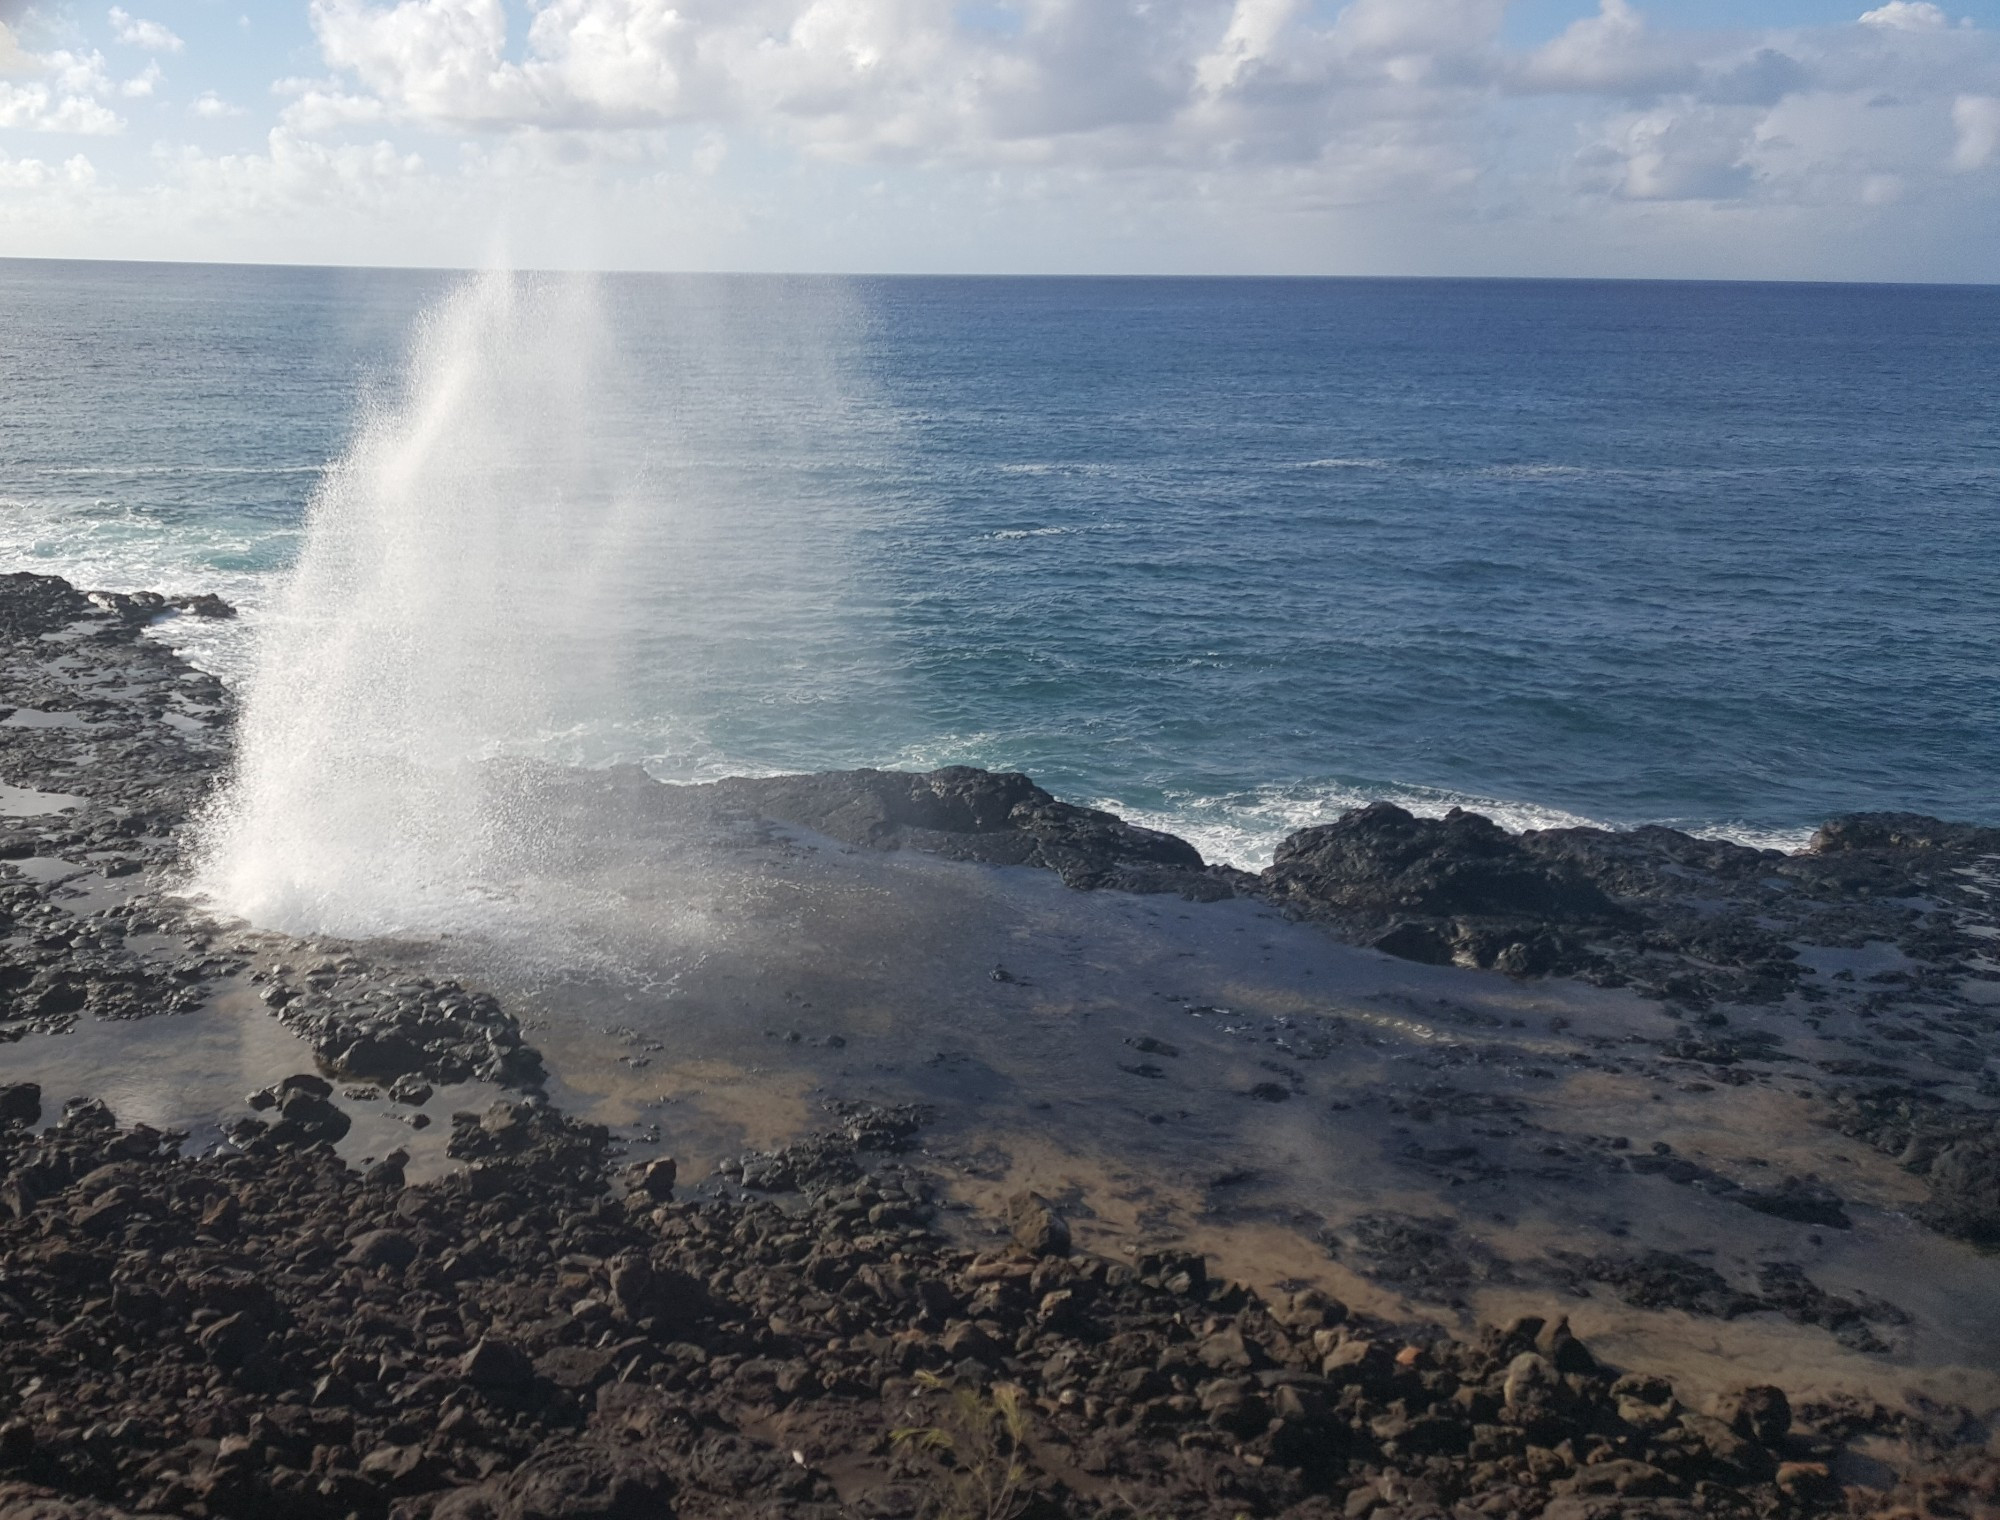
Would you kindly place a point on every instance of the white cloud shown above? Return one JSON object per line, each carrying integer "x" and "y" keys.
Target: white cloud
{"x": 210, "y": 106}
{"x": 1907, "y": 16}
{"x": 1301, "y": 118}
{"x": 13, "y": 57}
{"x": 1698, "y": 153}
{"x": 141, "y": 85}
{"x": 321, "y": 112}
{"x": 64, "y": 99}
{"x": 1612, "y": 53}
{"x": 1977, "y": 118}
{"x": 151, "y": 35}
{"x": 76, "y": 173}
{"x": 1255, "y": 27}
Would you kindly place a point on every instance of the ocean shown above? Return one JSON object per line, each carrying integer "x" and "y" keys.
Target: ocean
{"x": 1226, "y": 556}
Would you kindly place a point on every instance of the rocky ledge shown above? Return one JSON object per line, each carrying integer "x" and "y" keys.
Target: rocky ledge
{"x": 1711, "y": 929}
{"x": 261, "y": 1329}
{"x": 1691, "y": 920}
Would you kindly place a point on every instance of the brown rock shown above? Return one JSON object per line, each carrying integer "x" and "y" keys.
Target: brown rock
{"x": 1806, "y": 1482}
{"x": 394, "y": 1466}
{"x": 1036, "y": 1226}
{"x": 496, "y": 1364}
{"x": 1760, "y": 1413}
{"x": 964, "y": 1340}
{"x": 381, "y": 1248}
{"x": 654, "y": 1178}
{"x": 1637, "y": 1480}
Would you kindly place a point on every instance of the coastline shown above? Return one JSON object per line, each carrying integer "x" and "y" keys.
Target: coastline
{"x": 1847, "y": 989}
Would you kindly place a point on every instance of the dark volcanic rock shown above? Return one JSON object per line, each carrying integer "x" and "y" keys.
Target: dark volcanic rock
{"x": 1385, "y": 860}
{"x": 1691, "y": 921}
{"x": 1900, "y": 832}
{"x": 1965, "y": 1189}
{"x": 999, "y": 818}
{"x": 20, "y": 1103}
{"x": 523, "y": 1345}
{"x": 1037, "y": 1228}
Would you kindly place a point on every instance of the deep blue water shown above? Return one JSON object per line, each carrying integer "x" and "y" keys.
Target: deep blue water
{"x": 1229, "y": 555}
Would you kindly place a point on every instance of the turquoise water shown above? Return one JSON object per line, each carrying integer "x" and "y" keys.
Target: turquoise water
{"x": 1227, "y": 555}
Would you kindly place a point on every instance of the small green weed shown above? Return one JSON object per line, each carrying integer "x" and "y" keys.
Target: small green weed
{"x": 980, "y": 1441}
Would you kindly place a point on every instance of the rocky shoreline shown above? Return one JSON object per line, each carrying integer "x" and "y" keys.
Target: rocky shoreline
{"x": 540, "y": 1331}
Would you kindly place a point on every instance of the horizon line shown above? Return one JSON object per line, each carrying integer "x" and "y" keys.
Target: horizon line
{"x": 1134, "y": 276}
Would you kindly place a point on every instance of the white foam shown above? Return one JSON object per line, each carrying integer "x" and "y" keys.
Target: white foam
{"x": 1057, "y": 468}
{"x": 1531, "y": 471}
{"x": 1244, "y": 829}
{"x": 100, "y": 546}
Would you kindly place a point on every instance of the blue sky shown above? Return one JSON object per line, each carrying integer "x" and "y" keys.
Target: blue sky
{"x": 1791, "y": 140}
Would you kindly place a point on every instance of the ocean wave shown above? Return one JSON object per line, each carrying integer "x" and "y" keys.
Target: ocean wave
{"x": 1244, "y": 829}
{"x": 140, "y": 471}
{"x": 102, "y": 549}
{"x": 1790, "y": 841}
{"x": 1057, "y": 467}
{"x": 1341, "y": 463}
{"x": 1531, "y": 471}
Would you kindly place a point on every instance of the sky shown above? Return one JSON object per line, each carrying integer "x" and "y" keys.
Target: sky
{"x": 1801, "y": 139}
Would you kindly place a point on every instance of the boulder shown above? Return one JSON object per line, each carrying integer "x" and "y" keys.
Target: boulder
{"x": 1036, "y": 1226}
{"x": 654, "y": 1179}
{"x": 21, "y": 1103}
{"x": 497, "y": 1365}
{"x": 1383, "y": 860}
{"x": 1760, "y": 1413}
{"x": 381, "y": 1248}
{"x": 1965, "y": 1190}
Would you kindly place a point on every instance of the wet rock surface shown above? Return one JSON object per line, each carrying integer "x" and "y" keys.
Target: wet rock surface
{"x": 1694, "y": 921}
{"x": 545, "y": 1331}
{"x": 997, "y": 818}
{"x": 109, "y": 745}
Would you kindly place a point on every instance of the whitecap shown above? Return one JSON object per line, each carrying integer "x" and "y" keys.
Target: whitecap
{"x": 1244, "y": 829}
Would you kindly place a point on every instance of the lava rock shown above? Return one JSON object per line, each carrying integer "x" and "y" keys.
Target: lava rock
{"x": 1760, "y": 1413}
{"x": 381, "y": 1248}
{"x": 654, "y": 1178}
{"x": 497, "y": 1364}
{"x": 21, "y": 1103}
{"x": 1964, "y": 1184}
{"x": 1383, "y": 858}
{"x": 1036, "y": 1226}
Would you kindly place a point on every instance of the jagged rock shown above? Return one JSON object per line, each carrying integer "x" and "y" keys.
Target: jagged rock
{"x": 962, "y": 813}
{"x": 496, "y": 1364}
{"x": 1965, "y": 1190}
{"x": 1901, "y": 831}
{"x": 1036, "y": 1226}
{"x": 381, "y": 1248}
{"x": 22, "y": 1501}
{"x": 654, "y": 1178}
{"x": 21, "y": 1103}
{"x": 1383, "y": 859}
{"x": 1760, "y": 1413}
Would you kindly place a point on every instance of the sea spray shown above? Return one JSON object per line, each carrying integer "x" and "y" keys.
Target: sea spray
{"x": 501, "y": 573}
